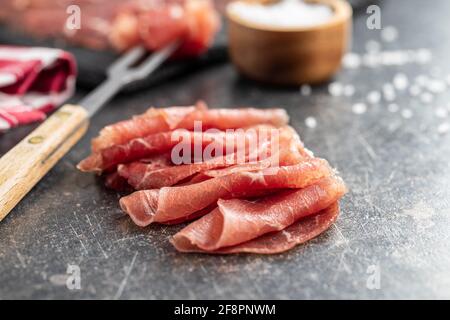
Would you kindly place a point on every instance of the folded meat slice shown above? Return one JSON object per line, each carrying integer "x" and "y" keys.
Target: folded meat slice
{"x": 166, "y": 119}
{"x": 158, "y": 23}
{"x": 115, "y": 182}
{"x": 301, "y": 231}
{"x": 237, "y": 221}
{"x": 139, "y": 148}
{"x": 269, "y": 153}
{"x": 290, "y": 151}
{"x": 142, "y": 176}
{"x": 169, "y": 203}
{"x": 152, "y": 121}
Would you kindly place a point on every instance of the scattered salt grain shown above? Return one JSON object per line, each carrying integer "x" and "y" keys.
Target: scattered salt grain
{"x": 374, "y": 97}
{"x": 305, "y": 90}
{"x": 395, "y": 58}
{"x": 393, "y": 107}
{"x": 335, "y": 89}
{"x": 311, "y": 122}
{"x": 443, "y": 128}
{"x": 349, "y": 90}
{"x": 400, "y": 81}
{"x": 352, "y": 61}
{"x": 436, "y": 86}
{"x": 359, "y": 108}
{"x": 389, "y": 34}
{"x": 426, "y": 97}
{"x": 407, "y": 113}
{"x": 423, "y": 55}
{"x": 373, "y": 46}
{"x": 441, "y": 112}
{"x": 371, "y": 60}
{"x": 389, "y": 92}
{"x": 414, "y": 90}
{"x": 286, "y": 13}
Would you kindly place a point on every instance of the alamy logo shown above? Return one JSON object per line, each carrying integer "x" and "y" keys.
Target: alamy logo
{"x": 374, "y": 20}
{"x": 73, "y": 21}
{"x": 374, "y": 279}
{"x": 73, "y": 281}
{"x": 233, "y": 146}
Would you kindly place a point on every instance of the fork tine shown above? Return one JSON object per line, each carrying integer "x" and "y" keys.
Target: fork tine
{"x": 129, "y": 58}
{"x": 152, "y": 62}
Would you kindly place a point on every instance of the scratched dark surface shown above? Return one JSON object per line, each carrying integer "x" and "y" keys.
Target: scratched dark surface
{"x": 394, "y": 220}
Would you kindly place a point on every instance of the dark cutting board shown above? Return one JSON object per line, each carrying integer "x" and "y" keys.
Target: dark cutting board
{"x": 92, "y": 64}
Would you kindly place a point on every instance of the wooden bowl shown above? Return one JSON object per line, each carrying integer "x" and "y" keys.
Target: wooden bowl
{"x": 291, "y": 56}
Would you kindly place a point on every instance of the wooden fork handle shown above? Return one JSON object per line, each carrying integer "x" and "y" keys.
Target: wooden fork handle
{"x": 25, "y": 164}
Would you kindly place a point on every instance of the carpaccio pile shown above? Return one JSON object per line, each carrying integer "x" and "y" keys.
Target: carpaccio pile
{"x": 117, "y": 24}
{"x": 264, "y": 200}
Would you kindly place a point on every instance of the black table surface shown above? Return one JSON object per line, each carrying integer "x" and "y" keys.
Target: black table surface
{"x": 394, "y": 224}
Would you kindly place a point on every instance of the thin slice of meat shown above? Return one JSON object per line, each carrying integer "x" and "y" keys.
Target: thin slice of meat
{"x": 115, "y": 182}
{"x": 158, "y": 161}
{"x": 280, "y": 241}
{"x": 166, "y": 119}
{"x": 142, "y": 176}
{"x": 139, "y": 148}
{"x": 237, "y": 221}
{"x": 152, "y": 121}
{"x": 269, "y": 153}
{"x": 159, "y": 23}
{"x": 288, "y": 151}
{"x": 169, "y": 203}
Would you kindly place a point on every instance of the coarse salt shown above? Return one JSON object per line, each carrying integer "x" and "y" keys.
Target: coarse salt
{"x": 373, "y": 46}
{"x": 436, "y": 86}
{"x": 284, "y": 13}
{"x": 407, "y": 113}
{"x": 305, "y": 90}
{"x": 443, "y": 128}
{"x": 374, "y": 97}
{"x": 311, "y": 122}
{"x": 441, "y": 112}
{"x": 389, "y": 92}
{"x": 400, "y": 81}
{"x": 335, "y": 89}
{"x": 353, "y": 61}
{"x": 349, "y": 90}
{"x": 359, "y": 108}
{"x": 389, "y": 34}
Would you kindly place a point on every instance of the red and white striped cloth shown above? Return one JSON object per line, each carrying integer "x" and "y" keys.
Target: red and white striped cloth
{"x": 33, "y": 82}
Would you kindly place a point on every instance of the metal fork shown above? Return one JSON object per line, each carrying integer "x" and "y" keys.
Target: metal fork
{"x": 25, "y": 164}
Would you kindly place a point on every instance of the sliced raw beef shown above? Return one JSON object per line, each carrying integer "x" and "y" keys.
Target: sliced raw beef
{"x": 169, "y": 203}
{"x": 244, "y": 175}
{"x": 237, "y": 221}
{"x": 152, "y": 121}
{"x": 115, "y": 182}
{"x": 139, "y": 148}
{"x": 166, "y": 119}
{"x": 193, "y": 22}
{"x": 118, "y": 24}
{"x": 301, "y": 231}
{"x": 142, "y": 176}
